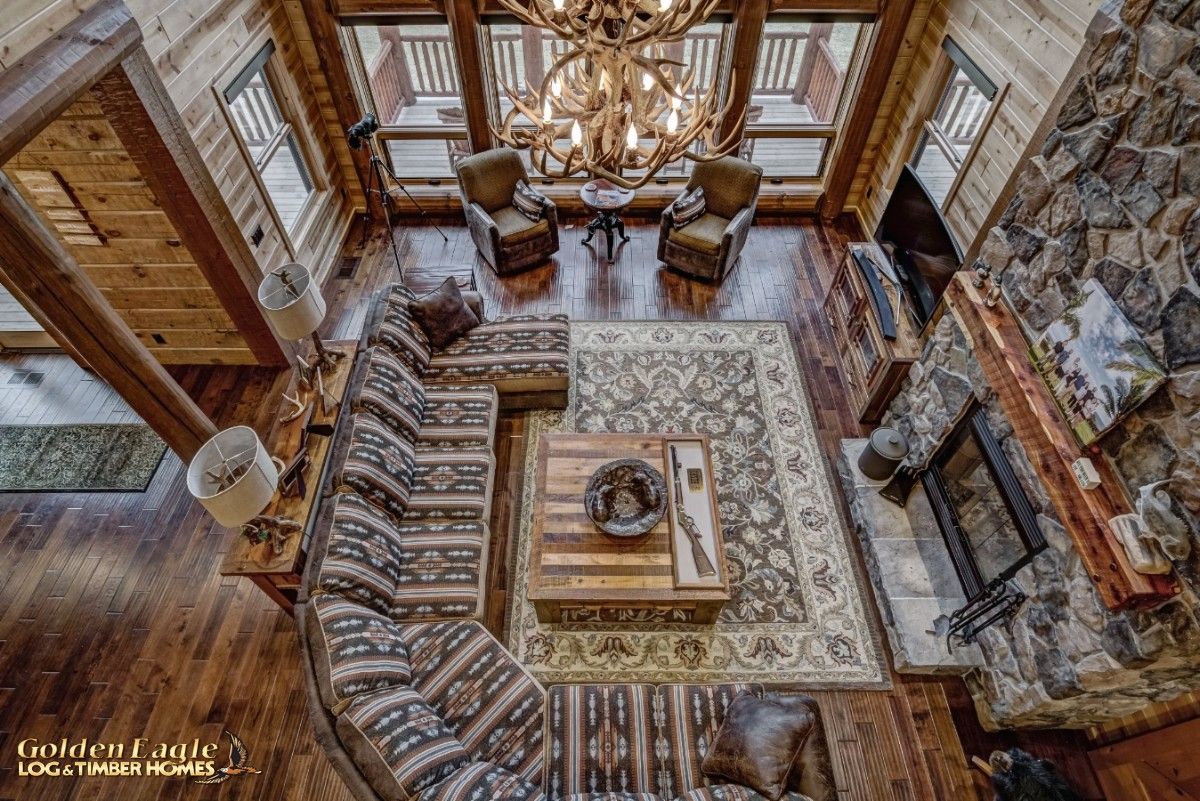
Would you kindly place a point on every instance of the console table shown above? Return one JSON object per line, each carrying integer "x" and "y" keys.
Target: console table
{"x": 278, "y": 574}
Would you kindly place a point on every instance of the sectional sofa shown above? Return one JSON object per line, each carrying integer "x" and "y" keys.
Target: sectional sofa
{"x": 409, "y": 695}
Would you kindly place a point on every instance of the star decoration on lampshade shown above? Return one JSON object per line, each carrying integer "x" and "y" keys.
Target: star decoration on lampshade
{"x": 613, "y": 104}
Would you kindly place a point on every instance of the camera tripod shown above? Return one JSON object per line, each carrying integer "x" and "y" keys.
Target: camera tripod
{"x": 377, "y": 178}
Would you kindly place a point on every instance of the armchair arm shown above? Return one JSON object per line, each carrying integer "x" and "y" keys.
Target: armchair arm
{"x": 483, "y": 231}
{"x": 550, "y": 212}
{"x": 666, "y": 223}
{"x": 734, "y": 238}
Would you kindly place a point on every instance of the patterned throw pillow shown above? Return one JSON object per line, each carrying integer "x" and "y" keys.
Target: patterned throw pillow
{"x": 355, "y": 649}
{"x": 527, "y": 201}
{"x": 689, "y": 207}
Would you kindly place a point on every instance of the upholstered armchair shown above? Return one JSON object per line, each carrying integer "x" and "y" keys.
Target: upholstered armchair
{"x": 709, "y": 246}
{"x": 508, "y": 240}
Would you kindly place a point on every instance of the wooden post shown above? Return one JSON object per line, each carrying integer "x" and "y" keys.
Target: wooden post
{"x": 748, "y": 22}
{"x": 138, "y": 107}
{"x": 888, "y": 36}
{"x": 473, "y": 70}
{"x": 33, "y": 259}
{"x": 817, "y": 32}
{"x": 408, "y": 93}
{"x": 324, "y": 28}
{"x": 531, "y": 49}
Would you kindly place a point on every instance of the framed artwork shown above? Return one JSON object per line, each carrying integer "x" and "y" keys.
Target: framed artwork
{"x": 1095, "y": 363}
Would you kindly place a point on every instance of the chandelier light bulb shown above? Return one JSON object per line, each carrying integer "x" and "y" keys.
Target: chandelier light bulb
{"x": 556, "y": 87}
{"x": 672, "y": 121}
{"x": 604, "y": 84}
{"x": 558, "y": 5}
{"x": 631, "y": 136}
{"x": 547, "y": 114}
{"x": 664, "y": 5}
{"x": 677, "y": 97}
{"x": 576, "y": 134}
{"x": 647, "y": 81}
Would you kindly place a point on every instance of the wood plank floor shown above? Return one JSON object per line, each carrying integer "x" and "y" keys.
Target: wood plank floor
{"x": 115, "y": 624}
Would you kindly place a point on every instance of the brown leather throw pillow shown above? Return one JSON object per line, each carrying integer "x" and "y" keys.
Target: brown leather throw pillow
{"x": 758, "y": 742}
{"x": 443, "y": 314}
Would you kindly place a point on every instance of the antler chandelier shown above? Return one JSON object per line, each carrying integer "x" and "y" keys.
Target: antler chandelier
{"x": 613, "y": 89}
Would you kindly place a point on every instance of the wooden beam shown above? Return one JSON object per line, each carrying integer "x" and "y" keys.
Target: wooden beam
{"x": 140, "y": 110}
{"x": 998, "y": 344}
{"x": 33, "y": 259}
{"x": 323, "y": 25}
{"x": 886, "y": 39}
{"x": 748, "y": 21}
{"x": 42, "y": 320}
{"x": 473, "y": 69}
{"x": 49, "y": 78}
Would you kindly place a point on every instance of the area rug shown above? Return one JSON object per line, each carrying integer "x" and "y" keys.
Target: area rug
{"x": 78, "y": 458}
{"x": 798, "y": 615}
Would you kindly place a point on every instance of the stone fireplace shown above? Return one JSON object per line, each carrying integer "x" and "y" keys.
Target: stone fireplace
{"x": 1112, "y": 196}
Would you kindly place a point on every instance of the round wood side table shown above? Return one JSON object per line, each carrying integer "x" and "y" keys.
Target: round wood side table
{"x": 607, "y": 210}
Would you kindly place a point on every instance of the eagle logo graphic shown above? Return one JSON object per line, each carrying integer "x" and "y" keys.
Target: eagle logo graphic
{"x": 239, "y": 757}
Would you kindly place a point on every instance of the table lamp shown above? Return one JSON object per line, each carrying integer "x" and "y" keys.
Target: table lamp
{"x": 235, "y": 479}
{"x": 294, "y": 305}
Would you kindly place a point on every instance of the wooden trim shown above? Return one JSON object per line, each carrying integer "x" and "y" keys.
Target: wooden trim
{"x": 749, "y": 18}
{"x": 887, "y": 38}
{"x": 48, "y": 79}
{"x": 33, "y": 259}
{"x": 997, "y": 343}
{"x": 473, "y": 70}
{"x": 141, "y": 112}
{"x": 323, "y": 26}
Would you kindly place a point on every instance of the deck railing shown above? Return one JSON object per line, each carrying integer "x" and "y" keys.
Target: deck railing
{"x": 963, "y": 111}
{"x": 407, "y": 67}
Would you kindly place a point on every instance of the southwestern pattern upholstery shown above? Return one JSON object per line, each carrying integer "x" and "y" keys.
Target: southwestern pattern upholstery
{"x": 443, "y": 565}
{"x": 492, "y": 703}
{"x": 507, "y": 240}
{"x": 399, "y": 742}
{"x": 359, "y": 650}
{"x": 378, "y": 463}
{"x": 390, "y": 390}
{"x": 709, "y": 246}
{"x": 601, "y": 739}
{"x": 361, "y": 554}
{"x": 459, "y": 416}
{"x": 483, "y": 781}
{"x": 518, "y": 355}
{"x": 390, "y": 324}
{"x": 688, "y": 716}
{"x": 451, "y": 484}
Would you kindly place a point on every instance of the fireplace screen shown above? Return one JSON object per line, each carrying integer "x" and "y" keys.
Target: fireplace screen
{"x": 986, "y": 520}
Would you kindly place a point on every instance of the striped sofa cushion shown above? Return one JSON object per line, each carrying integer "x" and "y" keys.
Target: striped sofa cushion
{"x": 354, "y": 649}
{"x": 483, "y": 781}
{"x": 526, "y": 353}
{"x": 689, "y": 716}
{"x": 388, "y": 389}
{"x": 389, "y": 324}
{"x": 732, "y": 792}
{"x": 601, "y": 738}
{"x": 451, "y": 484}
{"x": 363, "y": 560}
{"x": 442, "y": 569}
{"x": 399, "y": 742}
{"x": 378, "y": 463}
{"x": 612, "y": 797}
{"x": 459, "y": 416}
{"x": 482, "y": 692}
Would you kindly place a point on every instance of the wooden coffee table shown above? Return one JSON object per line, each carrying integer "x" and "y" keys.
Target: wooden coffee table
{"x": 580, "y": 575}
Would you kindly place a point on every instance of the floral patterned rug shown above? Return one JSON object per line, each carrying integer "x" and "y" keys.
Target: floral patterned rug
{"x": 798, "y": 615}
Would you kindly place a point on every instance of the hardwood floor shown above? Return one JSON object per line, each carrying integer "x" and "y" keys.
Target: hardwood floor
{"x": 114, "y": 623}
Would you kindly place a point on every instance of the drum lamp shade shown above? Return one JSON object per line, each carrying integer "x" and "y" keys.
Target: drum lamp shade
{"x": 232, "y": 476}
{"x": 292, "y": 301}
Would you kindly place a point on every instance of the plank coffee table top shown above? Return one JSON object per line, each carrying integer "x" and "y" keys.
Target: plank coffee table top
{"x": 573, "y": 562}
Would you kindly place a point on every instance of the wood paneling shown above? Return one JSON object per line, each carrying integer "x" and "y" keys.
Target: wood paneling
{"x": 1027, "y": 44}
{"x": 1160, "y": 766}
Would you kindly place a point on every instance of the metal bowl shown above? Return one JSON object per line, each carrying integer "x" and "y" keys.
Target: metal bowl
{"x": 626, "y": 498}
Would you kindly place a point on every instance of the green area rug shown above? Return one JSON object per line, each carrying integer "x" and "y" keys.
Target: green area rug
{"x": 78, "y": 458}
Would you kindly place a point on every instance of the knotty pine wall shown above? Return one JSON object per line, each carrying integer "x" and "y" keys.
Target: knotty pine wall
{"x": 1027, "y": 44}
{"x": 195, "y": 44}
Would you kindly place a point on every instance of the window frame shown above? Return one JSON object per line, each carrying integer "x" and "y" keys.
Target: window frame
{"x": 227, "y": 90}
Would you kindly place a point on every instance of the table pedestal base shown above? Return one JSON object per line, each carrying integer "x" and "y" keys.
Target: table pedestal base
{"x": 606, "y": 221}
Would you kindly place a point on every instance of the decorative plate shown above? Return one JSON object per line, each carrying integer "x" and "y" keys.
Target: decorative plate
{"x": 590, "y": 186}
{"x": 626, "y": 498}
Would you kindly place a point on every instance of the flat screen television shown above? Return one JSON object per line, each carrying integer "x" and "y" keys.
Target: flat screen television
{"x": 924, "y": 253}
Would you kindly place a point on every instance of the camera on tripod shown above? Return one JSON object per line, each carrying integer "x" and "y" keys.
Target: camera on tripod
{"x": 362, "y": 131}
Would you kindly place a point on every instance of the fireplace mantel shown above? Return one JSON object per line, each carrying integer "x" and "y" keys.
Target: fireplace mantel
{"x": 1003, "y": 354}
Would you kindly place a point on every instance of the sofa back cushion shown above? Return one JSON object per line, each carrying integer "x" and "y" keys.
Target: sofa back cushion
{"x": 399, "y": 743}
{"x": 377, "y": 464}
{"x": 601, "y": 739}
{"x": 483, "y": 781}
{"x": 358, "y": 554}
{"x": 390, "y": 324}
{"x": 390, "y": 390}
{"x": 494, "y": 706}
{"x": 689, "y": 716}
{"x": 354, "y": 649}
